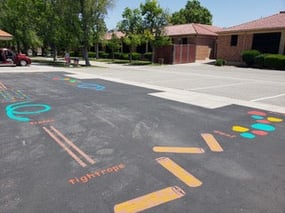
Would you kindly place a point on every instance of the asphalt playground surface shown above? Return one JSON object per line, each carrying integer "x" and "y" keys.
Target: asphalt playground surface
{"x": 185, "y": 138}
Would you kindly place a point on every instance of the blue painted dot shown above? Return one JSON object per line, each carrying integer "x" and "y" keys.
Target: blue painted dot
{"x": 263, "y": 127}
{"x": 257, "y": 117}
{"x": 247, "y": 135}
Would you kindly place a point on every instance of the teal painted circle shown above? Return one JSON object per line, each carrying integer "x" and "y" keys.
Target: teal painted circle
{"x": 44, "y": 106}
{"x": 263, "y": 127}
{"x": 247, "y": 135}
{"x": 257, "y": 117}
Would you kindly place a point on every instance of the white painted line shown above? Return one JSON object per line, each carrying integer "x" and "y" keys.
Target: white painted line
{"x": 220, "y": 86}
{"x": 270, "y": 97}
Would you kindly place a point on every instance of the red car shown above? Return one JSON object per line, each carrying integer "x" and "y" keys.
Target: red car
{"x": 8, "y": 57}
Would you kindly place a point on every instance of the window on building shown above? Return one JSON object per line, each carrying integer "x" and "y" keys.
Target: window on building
{"x": 266, "y": 42}
{"x": 234, "y": 40}
{"x": 184, "y": 40}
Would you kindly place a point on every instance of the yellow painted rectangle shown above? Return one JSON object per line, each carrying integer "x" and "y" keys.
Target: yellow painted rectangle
{"x": 186, "y": 150}
{"x": 150, "y": 200}
{"x": 212, "y": 142}
{"x": 179, "y": 172}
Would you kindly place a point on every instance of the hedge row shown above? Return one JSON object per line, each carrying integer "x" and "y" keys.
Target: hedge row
{"x": 117, "y": 55}
{"x": 254, "y": 58}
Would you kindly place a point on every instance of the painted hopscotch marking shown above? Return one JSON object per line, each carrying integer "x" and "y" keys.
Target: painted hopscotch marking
{"x": 62, "y": 141}
{"x": 179, "y": 172}
{"x": 2, "y": 86}
{"x": 150, "y": 200}
{"x": 212, "y": 142}
{"x": 12, "y": 95}
{"x": 180, "y": 150}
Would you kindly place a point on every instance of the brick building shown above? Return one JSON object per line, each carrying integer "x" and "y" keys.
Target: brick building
{"x": 266, "y": 35}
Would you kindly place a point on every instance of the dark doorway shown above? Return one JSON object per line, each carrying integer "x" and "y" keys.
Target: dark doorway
{"x": 266, "y": 42}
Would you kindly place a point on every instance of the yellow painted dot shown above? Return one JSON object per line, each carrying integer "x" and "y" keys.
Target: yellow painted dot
{"x": 66, "y": 79}
{"x": 240, "y": 129}
{"x": 275, "y": 120}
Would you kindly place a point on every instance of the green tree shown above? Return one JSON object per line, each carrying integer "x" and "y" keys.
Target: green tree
{"x": 192, "y": 13}
{"x": 132, "y": 21}
{"x": 114, "y": 44}
{"x": 17, "y": 17}
{"x": 131, "y": 25}
{"x": 133, "y": 41}
{"x": 155, "y": 18}
{"x": 89, "y": 12}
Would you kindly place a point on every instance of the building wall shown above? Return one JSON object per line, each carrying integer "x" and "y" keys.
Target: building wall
{"x": 205, "y": 48}
{"x": 233, "y": 53}
{"x": 205, "y": 45}
{"x": 245, "y": 40}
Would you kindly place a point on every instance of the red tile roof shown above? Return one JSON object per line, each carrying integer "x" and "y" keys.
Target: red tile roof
{"x": 275, "y": 21}
{"x": 5, "y": 36}
{"x": 108, "y": 35}
{"x": 191, "y": 29}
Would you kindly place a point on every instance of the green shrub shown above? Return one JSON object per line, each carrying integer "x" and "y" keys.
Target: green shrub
{"x": 148, "y": 56}
{"x": 259, "y": 60}
{"x": 136, "y": 56}
{"x": 220, "y": 62}
{"x": 248, "y": 56}
{"x": 274, "y": 61}
{"x": 125, "y": 56}
{"x": 103, "y": 54}
{"x": 92, "y": 54}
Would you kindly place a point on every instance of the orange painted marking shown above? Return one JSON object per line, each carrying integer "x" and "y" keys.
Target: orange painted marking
{"x": 179, "y": 172}
{"x": 150, "y": 200}
{"x": 212, "y": 142}
{"x": 189, "y": 150}
{"x": 53, "y": 136}
{"x": 2, "y": 86}
{"x": 70, "y": 143}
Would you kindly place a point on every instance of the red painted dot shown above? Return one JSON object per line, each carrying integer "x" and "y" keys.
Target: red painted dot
{"x": 263, "y": 121}
{"x": 257, "y": 113}
{"x": 259, "y": 132}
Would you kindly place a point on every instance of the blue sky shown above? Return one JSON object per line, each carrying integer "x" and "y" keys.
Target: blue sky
{"x": 225, "y": 13}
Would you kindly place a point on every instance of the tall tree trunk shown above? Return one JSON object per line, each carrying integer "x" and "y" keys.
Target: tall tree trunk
{"x": 85, "y": 56}
{"x": 97, "y": 50}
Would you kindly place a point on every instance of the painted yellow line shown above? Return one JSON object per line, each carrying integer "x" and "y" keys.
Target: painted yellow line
{"x": 212, "y": 142}
{"x": 179, "y": 172}
{"x": 150, "y": 200}
{"x": 189, "y": 150}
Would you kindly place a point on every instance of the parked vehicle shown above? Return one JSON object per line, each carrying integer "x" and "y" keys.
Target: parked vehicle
{"x": 7, "y": 56}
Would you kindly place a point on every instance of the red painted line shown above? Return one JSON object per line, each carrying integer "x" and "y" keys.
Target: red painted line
{"x": 70, "y": 143}
{"x": 53, "y": 136}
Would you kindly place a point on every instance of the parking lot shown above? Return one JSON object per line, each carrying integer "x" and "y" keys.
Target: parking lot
{"x": 113, "y": 138}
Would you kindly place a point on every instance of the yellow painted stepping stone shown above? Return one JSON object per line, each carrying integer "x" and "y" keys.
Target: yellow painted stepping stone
{"x": 240, "y": 129}
{"x": 274, "y": 119}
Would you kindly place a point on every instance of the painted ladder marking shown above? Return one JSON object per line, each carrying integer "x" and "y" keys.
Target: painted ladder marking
{"x": 2, "y": 86}
{"x": 212, "y": 142}
{"x": 179, "y": 172}
{"x": 189, "y": 150}
{"x": 150, "y": 200}
{"x": 70, "y": 143}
